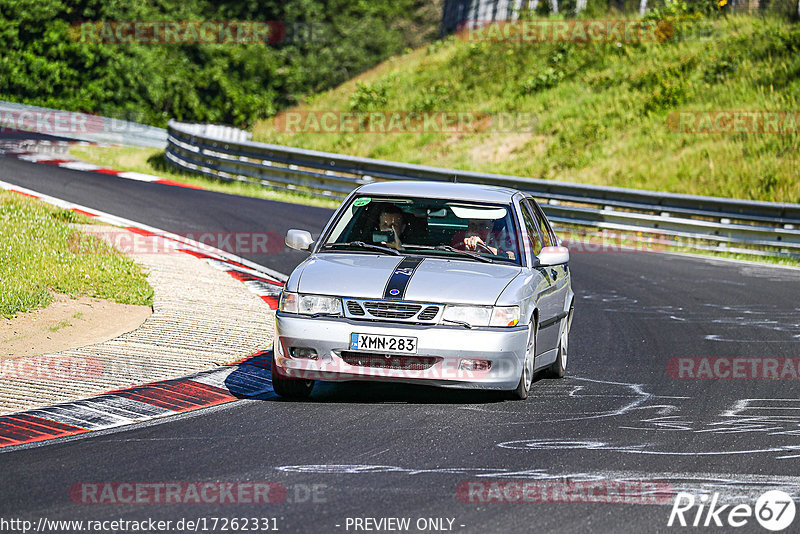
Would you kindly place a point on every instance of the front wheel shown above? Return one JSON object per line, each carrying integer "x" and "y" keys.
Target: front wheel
{"x": 558, "y": 369}
{"x": 296, "y": 388}
{"x": 526, "y": 377}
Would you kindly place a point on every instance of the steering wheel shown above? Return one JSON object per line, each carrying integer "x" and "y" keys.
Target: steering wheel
{"x": 485, "y": 247}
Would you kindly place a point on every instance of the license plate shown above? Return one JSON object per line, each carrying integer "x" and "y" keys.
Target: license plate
{"x": 376, "y": 343}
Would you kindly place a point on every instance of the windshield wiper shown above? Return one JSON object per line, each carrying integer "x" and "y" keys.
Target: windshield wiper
{"x": 460, "y": 323}
{"x": 369, "y": 246}
{"x": 448, "y": 248}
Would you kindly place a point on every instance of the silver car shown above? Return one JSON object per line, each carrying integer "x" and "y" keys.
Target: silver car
{"x": 453, "y": 285}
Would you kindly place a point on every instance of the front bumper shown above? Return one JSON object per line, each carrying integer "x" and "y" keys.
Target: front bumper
{"x": 448, "y": 345}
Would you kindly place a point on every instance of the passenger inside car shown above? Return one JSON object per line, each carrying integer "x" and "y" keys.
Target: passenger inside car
{"x": 485, "y": 235}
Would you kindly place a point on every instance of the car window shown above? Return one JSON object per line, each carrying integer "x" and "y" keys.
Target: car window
{"x": 544, "y": 226}
{"x": 427, "y": 226}
{"x": 532, "y": 228}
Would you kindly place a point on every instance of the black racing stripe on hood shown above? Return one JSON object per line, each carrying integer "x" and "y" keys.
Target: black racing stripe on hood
{"x": 396, "y": 285}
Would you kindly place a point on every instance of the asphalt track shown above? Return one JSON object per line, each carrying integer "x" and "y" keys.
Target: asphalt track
{"x": 380, "y": 450}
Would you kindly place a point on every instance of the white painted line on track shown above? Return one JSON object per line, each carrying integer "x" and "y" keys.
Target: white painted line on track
{"x": 138, "y": 176}
{"x": 75, "y": 165}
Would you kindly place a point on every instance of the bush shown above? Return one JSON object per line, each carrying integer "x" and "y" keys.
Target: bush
{"x": 368, "y": 97}
{"x": 45, "y": 62}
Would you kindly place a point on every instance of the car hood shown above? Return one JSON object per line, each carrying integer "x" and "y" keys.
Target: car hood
{"x": 435, "y": 280}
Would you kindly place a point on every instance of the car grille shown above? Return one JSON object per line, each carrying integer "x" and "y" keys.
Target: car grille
{"x": 429, "y": 313}
{"x": 383, "y": 310}
{"x": 354, "y": 308}
{"x": 388, "y": 361}
{"x": 392, "y": 310}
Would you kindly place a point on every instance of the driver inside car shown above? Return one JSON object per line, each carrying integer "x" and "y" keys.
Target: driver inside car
{"x": 392, "y": 224}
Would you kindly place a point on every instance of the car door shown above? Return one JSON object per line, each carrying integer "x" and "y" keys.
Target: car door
{"x": 560, "y": 272}
{"x": 547, "y": 297}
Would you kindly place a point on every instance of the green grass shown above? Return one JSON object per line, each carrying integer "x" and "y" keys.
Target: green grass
{"x": 600, "y": 109}
{"x": 772, "y": 260}
{"x": 152, "y": 161}
{"x": 37, "y": 259}
{"x": 59, "y": 326}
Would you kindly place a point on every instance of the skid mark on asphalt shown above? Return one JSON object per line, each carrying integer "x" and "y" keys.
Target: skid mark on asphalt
{"x": 732, "y": 488}
{"x": 766, "y": 416}
{"x": 584, "y": 400}
{"x": 646, "y": 448}
{"x": 729, "y": 320}
{"x": 640, "y": 418}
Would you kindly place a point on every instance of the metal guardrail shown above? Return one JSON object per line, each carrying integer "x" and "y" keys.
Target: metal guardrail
{"x": 696, "y": 221}
{"x": 75, "y": 125}
{"x": 217, "y": 131}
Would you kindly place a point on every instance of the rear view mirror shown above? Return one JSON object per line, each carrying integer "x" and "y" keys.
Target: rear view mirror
{"x": 382, "y": 237}
{"x": 553, "y": 256}
{"x": 299, "y": 240}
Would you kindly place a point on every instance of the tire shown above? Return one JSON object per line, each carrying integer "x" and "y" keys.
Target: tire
{"x": 526, "y": 376}
{"x": 294, "y": 388}
{"x": 558, "y": 369}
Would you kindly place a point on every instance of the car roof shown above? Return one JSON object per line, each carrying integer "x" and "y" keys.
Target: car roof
{"x": 448, "y": 190}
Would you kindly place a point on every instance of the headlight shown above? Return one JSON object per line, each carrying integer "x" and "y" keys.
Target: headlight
{"x": 505, "y": 316}
{"x": 309, "y": 304}
{"x": 472, "y": 315}
{"x": 482, "y": 315}
{"x": 288, "y": 302}
{"x": 313, "y": 304}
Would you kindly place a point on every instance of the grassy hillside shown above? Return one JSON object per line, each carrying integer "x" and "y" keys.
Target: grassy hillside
{"x": 601, "y": 109}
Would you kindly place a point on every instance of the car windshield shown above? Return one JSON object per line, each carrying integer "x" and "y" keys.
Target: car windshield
{"x": 423, "y": 226}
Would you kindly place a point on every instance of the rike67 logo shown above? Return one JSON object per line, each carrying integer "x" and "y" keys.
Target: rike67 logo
{"x": 774, "y": 510}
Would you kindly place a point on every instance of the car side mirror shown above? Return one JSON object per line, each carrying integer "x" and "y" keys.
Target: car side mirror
{"x": 299, "y": 240}
{"x": 553, "y": 256}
